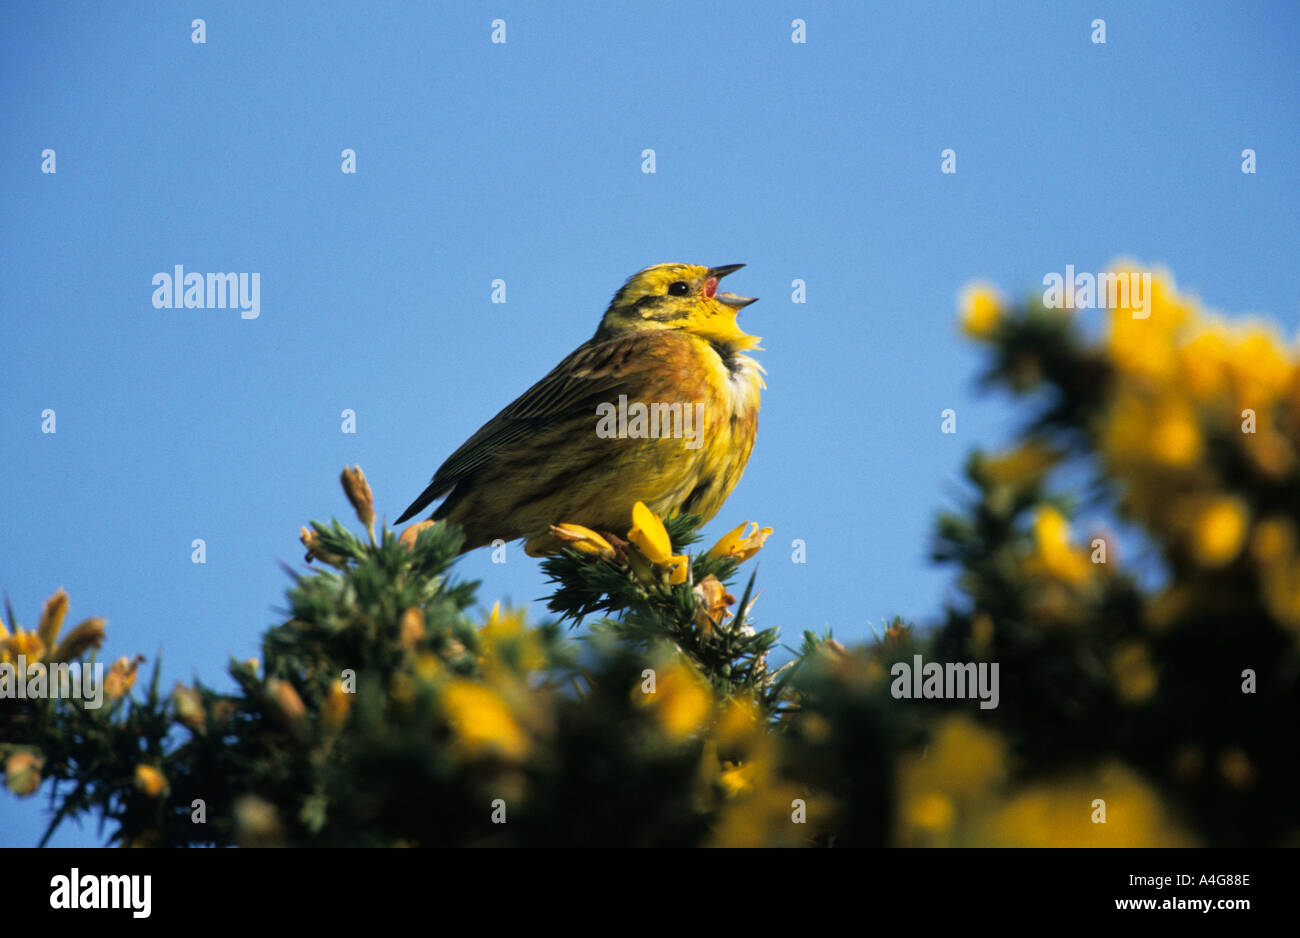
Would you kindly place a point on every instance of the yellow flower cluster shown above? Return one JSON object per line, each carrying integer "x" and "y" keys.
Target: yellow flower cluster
{"x": 1203, "y": 414}
{"x": 43, "y": 644}
{"x": 22, "y": 766}
{"x": 677, "y": 696}
{"x": 1275, "y": 550}
{"x": 651, "y": 539}
{"x": 1053, "y": 554}
{"x": 495, "y": 717}
{"x": 955, "y": 793}
{"x": 1109, "y": 806}
{"x": 944, "y": 786}
{"x": 763, "y": 806}
{"x": 482, "y": 721}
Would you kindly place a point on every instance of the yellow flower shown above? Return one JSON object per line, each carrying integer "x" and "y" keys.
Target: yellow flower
{"x": 1260, "y": 368}
{"x": 1175, "y": 437}
{"x": 1274, "y": 539}
{"x": 482, "y": 721}
{"x": 981, "y": 310}
{"x": 1053, "y": 554}
{"x": 1145, "y": 347}
{"x": 428, "y": 665}
{"x": 660, "y": 405}
{"x": 963, "y": 758}
{"x": 1219, "y": 530}
{"x": 150, "y": 781}
{"x": 739, "y": 722}
{"x": 508, "y": 641}
{"x": 648, "y": 534}
{"x": 1150, "y": 443}
{"x": 930, "y": 812}
{"x": 1273, "y": 547}
{"x": 736, "y": 543}
{"x": 583, "y": 539}
{"x": 1203, "y": 362}
{"x": 737, "y": 779}
{"x": 760, "y": 816}
{"x": 680, "y": 700}
{"x": 1135, "y": 678}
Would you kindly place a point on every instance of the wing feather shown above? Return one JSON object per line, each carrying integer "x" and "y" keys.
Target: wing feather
{"x": 593, "y": 373}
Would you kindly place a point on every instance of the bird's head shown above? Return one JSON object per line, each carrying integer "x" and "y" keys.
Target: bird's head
{"x": 683, "y": 297}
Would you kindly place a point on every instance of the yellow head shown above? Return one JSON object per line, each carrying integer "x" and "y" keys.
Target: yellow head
{"x": 683, "y": 297}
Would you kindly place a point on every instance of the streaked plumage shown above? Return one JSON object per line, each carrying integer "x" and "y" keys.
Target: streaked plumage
{"x": 540, "y": 461}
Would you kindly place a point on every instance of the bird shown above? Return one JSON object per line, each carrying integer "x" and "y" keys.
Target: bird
{"x": 571, "y": 449}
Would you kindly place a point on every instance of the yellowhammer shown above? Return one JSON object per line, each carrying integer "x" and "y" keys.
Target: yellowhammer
{"x": 659, "y": 406}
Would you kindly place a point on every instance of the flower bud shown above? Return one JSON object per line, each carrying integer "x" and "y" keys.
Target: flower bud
{"x": 56, "y": 607}
{"x": 89, "y": 634}
{"x": 287, "y": 707}
{"x": 23, "y": 772}
{"x": 412, "y": 628}
{"x": 335, "y": 710}
{"x": 410, "y": 535}
{"x": 358, "y": 492}
{"x": 583, "y": 539}
{"x": 189, "y": 708}
{"x": 311, "y": 540}
{"x": 121, "y": 677}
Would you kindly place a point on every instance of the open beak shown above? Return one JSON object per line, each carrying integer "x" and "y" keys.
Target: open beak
{"x": 729, "y": 299}
{"x": 725, "y": 269}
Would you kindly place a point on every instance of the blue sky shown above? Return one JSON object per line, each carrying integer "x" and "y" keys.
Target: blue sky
{"x": 522, "y": 161}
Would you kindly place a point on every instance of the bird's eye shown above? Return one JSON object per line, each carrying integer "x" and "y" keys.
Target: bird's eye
{"x": 679, "y": 288}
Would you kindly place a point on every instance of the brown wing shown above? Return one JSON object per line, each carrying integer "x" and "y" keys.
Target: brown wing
{"x": 593, "y": 373}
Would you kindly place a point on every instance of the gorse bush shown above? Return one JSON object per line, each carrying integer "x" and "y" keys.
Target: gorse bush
{"x": 1147, "y": 689}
